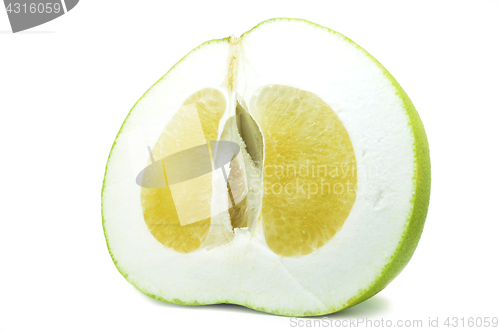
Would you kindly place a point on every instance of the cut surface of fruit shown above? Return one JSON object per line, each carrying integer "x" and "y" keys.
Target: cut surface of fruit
{"x": 285, "y": 170}
{"x": 310, "y": 170}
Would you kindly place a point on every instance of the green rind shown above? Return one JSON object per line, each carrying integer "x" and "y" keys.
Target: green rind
{"x": 414, "y": 225}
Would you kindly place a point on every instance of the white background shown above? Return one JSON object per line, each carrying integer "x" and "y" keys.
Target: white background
{"x": 67, "y": 85}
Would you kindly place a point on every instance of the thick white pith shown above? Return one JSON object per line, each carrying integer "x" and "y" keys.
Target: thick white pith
{"x": 244, "y": 270}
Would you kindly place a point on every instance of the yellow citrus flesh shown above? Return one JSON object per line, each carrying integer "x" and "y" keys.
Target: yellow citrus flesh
{"x": 158, "y": 203}
{"x": 309, "y": 171}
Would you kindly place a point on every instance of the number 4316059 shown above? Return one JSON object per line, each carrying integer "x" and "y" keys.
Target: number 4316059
{"x": 34, "y": 8}
{"x": 471, "y": 322}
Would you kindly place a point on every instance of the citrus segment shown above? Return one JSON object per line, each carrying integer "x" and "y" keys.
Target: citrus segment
{"x": 159, "y": 207}
{"x": 309, "y": 170}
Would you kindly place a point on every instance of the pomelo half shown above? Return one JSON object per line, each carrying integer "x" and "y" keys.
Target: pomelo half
{"x": 285, "y": 170}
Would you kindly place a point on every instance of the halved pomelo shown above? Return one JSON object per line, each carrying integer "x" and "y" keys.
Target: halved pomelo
{"x": 285, "y": 170}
